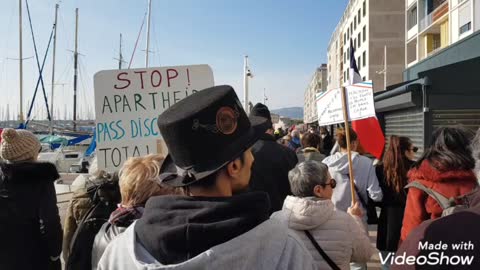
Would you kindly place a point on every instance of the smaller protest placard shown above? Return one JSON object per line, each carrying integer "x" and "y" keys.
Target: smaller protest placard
{"x": 360, "y": 101}
{"x": 329, "y": 107}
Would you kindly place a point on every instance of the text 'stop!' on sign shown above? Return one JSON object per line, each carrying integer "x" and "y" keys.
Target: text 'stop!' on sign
{"x": 360, "y": 104}
{"x": 128, "y": 103}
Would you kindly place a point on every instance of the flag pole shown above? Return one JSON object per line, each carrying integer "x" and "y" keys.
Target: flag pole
{"x": 245, "y": 84}
{"x": 349, "y": 151}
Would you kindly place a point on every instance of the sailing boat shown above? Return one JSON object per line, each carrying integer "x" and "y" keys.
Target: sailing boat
{"x": 63, "y": 157}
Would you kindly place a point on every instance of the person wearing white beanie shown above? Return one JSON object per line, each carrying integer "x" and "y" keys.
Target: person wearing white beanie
{"x": 30, "y": 226}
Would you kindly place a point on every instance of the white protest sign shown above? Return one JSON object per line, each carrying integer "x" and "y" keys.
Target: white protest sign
{"x": 128, "y": 103}
{"x": 360, "y": 104}
{"x": 360, "y": 101}
{"x": 329, "y": 107}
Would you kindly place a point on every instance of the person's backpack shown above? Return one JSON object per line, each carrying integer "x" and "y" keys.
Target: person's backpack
{"x": 448, "y": 205}
{"x": 105, "y": 196}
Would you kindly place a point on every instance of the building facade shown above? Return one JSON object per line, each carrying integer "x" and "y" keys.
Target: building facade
{"x": 372, "y": 26}
{"x": 316, "y": 85}
{"x": 440, "y": 87}
{"x": 433, "y": 25}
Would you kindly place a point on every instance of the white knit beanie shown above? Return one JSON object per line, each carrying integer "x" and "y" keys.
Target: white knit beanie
{"x": 18, "y": 145}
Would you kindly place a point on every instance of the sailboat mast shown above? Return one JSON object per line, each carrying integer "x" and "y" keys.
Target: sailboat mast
{"x": 53, "y": 69}
{"x": 20, "y": 116}
{"x": 120, "y": 57}
{"x": 75, "y": 62}
{"x": 147, "y": 50}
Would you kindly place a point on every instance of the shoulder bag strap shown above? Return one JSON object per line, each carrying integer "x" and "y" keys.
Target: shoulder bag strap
{"x": 330, "y": 262}
{"x": 439, "y": 198}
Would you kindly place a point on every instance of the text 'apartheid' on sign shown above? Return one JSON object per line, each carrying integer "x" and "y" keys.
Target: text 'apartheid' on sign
{"x": 360, "y": 104}
{"x": 128, "y": 103}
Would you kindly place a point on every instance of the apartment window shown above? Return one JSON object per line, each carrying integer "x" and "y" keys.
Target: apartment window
{"x": 359, "y": 39}
{"x": 359, "y": 16}
{"x": 364, "y": 8}
{"x": 345, "y": 57}
{"x": 364, "y": 33}
{"x": 364, "y": 56}
{"x": 464, "y": 18}
{"x": 358, "y": 63}
{"x": 344, "y": 38}
{"x": 464, "y": 28}
{"x": 351, "y": 28}
{"x": 412, "y": 17}
{"x": 348, "y": 35}
{"x": 354, "y": 44}
{"x": 364, "y": 78}
{"x": 355, "y": 23}
{"x": 348, "y": 75}
{"x": 348, "y": 54}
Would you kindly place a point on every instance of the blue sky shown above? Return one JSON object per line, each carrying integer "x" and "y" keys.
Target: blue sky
{"x": 285, "y": 41}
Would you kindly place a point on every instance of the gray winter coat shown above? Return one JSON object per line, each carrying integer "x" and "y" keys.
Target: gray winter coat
{"x": 267, "y": 246}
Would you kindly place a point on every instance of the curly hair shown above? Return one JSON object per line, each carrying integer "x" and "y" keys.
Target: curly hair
{"x": 139, "y": 180}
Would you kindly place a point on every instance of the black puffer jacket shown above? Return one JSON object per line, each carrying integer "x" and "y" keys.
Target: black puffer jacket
{"x": 270, "y": 170}
{"x": 28, "y": 201}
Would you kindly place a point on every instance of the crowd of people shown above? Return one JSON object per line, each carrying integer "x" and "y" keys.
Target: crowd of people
{"x": 234, "y": 193}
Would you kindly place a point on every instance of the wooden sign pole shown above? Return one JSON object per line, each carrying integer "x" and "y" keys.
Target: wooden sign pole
{"x": 347, "y": 133}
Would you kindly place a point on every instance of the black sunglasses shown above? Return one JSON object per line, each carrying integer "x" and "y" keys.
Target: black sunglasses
{"x": 414, "y": 149}
{"x": 332, "y": 183}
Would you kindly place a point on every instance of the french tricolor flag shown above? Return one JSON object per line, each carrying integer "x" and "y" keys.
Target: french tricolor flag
{"x": 368, "y": 130}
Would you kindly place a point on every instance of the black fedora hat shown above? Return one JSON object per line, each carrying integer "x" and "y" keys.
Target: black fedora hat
{"x": 203, "y": 133}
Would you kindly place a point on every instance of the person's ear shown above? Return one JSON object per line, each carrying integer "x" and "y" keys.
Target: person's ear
{"x": 234, "y": 167}
{"x": 318, "y": 191}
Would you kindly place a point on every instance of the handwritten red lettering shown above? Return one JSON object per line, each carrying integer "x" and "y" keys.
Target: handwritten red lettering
{"x": 170, "y": 77}
{"x": 123, "y": 80}
{"x": 159, "y": 78}
{"x": 141, "y": 76}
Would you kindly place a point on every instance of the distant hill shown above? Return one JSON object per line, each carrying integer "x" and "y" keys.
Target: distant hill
{"x": 292, "y": 112}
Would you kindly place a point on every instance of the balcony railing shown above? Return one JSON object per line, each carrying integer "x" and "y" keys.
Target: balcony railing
{"x": 434, "y": 51}
{"x": 440, "y": 11}
{"x": 434, "y": 15}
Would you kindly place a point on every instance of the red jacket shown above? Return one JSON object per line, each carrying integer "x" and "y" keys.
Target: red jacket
{"x": 420, "y": 206}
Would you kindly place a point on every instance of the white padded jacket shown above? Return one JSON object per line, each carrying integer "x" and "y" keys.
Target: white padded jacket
{"x": 342, "y": 236}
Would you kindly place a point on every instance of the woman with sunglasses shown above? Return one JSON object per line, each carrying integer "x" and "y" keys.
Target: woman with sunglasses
{"x": 392, "y": 177}
{"x": 340, "y": 235}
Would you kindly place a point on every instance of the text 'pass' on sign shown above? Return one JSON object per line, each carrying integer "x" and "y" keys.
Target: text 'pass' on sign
{"x": 128, "y": 103}
{"x": 360, "y": 104}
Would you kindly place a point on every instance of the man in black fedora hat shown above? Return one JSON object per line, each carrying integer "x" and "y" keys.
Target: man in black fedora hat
{"x": 209, "y": 138}
{"x": 272, "y": 162}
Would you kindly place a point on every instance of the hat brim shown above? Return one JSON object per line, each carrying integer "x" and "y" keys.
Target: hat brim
{"x": 172, "y": 175}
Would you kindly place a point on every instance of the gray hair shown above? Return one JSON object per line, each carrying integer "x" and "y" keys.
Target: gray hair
{"x": 305, "y": 176}
{"x": 475, "y": 146}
